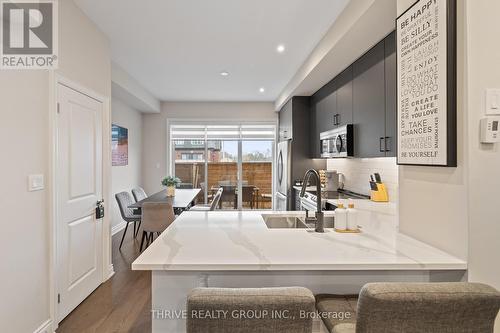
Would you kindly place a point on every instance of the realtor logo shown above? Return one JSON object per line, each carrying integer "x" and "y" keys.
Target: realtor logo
{"x": 29, "y": 34}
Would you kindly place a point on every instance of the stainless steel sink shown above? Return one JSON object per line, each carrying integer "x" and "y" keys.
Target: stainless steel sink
{"x": 275, "y": 221}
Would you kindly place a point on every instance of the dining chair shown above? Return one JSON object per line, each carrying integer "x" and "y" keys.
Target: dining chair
{"x": 124, "y": 200}
{"x": 139, "y": 194}
{"x": 228, "y": 195}
{"x": 264, "y": 198}
{"x": 210, "y": 194}
{"x": 458, "y": 307}
{"x": 156, "y": 217}
{"x": 211, "y": 206}
{"x": 248, "y": 195}
{"x": 296, "y": 302}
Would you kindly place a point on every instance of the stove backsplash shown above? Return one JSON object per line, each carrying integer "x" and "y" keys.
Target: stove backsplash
{"x": 357, "y": 173}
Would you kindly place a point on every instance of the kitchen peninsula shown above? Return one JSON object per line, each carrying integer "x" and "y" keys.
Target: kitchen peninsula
{"x": 244, "y": 249}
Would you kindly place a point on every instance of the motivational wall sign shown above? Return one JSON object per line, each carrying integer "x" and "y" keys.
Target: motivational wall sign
{"x": 426, "y": 52}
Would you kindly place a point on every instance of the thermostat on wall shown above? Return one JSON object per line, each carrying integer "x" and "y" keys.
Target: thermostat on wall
{"x": 489, "y": 130}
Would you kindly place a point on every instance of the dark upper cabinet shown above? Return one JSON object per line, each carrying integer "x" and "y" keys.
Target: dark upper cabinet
{"x": 364, "y": 94}
{"x": 369, "y": 103}
{"x": 323, "y": 110}
{"x": 344, "y": 97}
{"x": 326, "y": 110}
{"x": 286, "y": 121}
{"x": 390, "y": 143}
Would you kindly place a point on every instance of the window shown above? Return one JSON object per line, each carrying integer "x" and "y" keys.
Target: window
{"x": 212, "y": 156}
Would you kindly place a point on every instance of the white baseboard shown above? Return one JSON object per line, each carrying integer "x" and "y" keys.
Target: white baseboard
{"x": 111, "y": 271}
{"x": 117, "y": 228}
{"x": 46, "y": 327}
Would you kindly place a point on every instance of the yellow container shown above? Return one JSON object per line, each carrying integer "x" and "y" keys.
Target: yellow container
{"x": 380, "y": 195}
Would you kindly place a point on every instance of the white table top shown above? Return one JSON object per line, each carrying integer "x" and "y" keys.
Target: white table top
{"x": 232, "y": 241}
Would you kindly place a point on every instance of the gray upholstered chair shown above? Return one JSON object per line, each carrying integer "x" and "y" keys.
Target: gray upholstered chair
{"x": 124, "y": 199}
{"x": 458, "y": 307}
{"x": 139, "y": 194}
{"x": 211, "y": 206}
{"x": 156, "y": 217}
{"x": 267, "y": 303}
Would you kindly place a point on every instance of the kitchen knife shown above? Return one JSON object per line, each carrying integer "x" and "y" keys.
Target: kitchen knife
{"x": 378, "y": 179}
{"x": 373, "y": 186}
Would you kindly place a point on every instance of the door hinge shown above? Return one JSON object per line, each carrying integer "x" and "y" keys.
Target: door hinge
{"x": 58, "y": 108}
{"x": 58, "y": 298}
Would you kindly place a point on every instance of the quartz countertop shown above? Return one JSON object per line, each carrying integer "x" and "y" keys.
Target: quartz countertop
{"x": 241, "y": 241}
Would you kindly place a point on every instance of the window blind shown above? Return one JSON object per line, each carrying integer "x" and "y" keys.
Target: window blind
{"x": 223, "y": 132}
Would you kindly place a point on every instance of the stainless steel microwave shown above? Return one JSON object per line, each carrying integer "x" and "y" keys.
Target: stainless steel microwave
{"x": 338, "y": 142}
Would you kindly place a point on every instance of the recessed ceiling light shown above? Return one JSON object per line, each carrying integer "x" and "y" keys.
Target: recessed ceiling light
{"x": 261, "y": 90}
{"x": 224, "y": 73}
{"x": 280, "y": 48}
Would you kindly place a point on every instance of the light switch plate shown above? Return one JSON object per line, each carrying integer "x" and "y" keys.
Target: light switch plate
{"x": 35, "y": 183}
{"x": 492, "y": 102}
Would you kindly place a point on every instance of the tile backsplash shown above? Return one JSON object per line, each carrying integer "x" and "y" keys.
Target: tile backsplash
{"x": 357, "y": 173}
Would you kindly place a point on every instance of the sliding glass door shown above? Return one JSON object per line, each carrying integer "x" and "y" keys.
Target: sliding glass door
{"x": 223, "y": 171}
{"x": 237, "y": 158}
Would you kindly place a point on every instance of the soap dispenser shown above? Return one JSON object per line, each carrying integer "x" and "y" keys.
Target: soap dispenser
{"x": 340, "y": 218}
{"x": 352, "y": 217}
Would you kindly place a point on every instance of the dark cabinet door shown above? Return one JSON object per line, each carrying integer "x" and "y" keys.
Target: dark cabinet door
{"x": 344, "y": 97}
{"x": 390, "y": 95}
{"x": 326, "y": 109}
{"x": 323, "y": 111}
{"x": 369, "y": 103}
{"x": 285, "y": 122}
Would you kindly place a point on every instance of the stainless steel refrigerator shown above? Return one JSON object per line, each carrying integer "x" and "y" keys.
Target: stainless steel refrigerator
{"x": 283, "y": 177}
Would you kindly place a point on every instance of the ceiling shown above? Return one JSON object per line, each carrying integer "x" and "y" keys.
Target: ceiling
{"x": 177, "y": 49}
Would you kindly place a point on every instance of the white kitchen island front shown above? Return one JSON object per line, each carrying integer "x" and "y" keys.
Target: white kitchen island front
{"x": 237, "y": 249}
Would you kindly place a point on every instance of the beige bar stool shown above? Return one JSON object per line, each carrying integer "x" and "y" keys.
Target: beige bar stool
{"x": 249, "y": 310}
{"x": 156, "y": 217}
{"x": 454, "y": 307}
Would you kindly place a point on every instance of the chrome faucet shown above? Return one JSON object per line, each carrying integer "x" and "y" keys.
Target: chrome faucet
{"x": 319, "y": 220}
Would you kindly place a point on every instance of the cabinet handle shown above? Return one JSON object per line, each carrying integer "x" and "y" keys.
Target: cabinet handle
{"x": 387, "y": 144}
{"x": 382, "y": 144}
{"x": 336, "y": 118}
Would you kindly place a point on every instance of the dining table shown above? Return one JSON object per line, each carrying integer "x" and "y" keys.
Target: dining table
{"x": 183, "y": 199}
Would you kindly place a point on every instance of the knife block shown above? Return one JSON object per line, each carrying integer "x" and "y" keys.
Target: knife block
{"x": 380, "y": 195}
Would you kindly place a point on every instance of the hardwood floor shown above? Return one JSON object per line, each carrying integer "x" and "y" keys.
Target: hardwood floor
{"x": 123, "y": 303}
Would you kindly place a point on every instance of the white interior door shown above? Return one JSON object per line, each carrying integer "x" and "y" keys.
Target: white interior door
{"x": 79, "y": 187}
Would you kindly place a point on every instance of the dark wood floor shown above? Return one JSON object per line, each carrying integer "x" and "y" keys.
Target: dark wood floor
{"x": 122, "y": 304}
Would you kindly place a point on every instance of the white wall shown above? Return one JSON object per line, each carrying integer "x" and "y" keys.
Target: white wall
{"x": 155, "y": 145}
{"x": 24, "y": 237}
{"x": 483, "y": 71}
{"x": 125, "y": 178}
{"x": 456, "y": 209}
{"x": 84, "y": 57}
{"x": 433, "y": 200}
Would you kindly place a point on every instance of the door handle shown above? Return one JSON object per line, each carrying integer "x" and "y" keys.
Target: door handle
{"x": 99, "y": 209}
